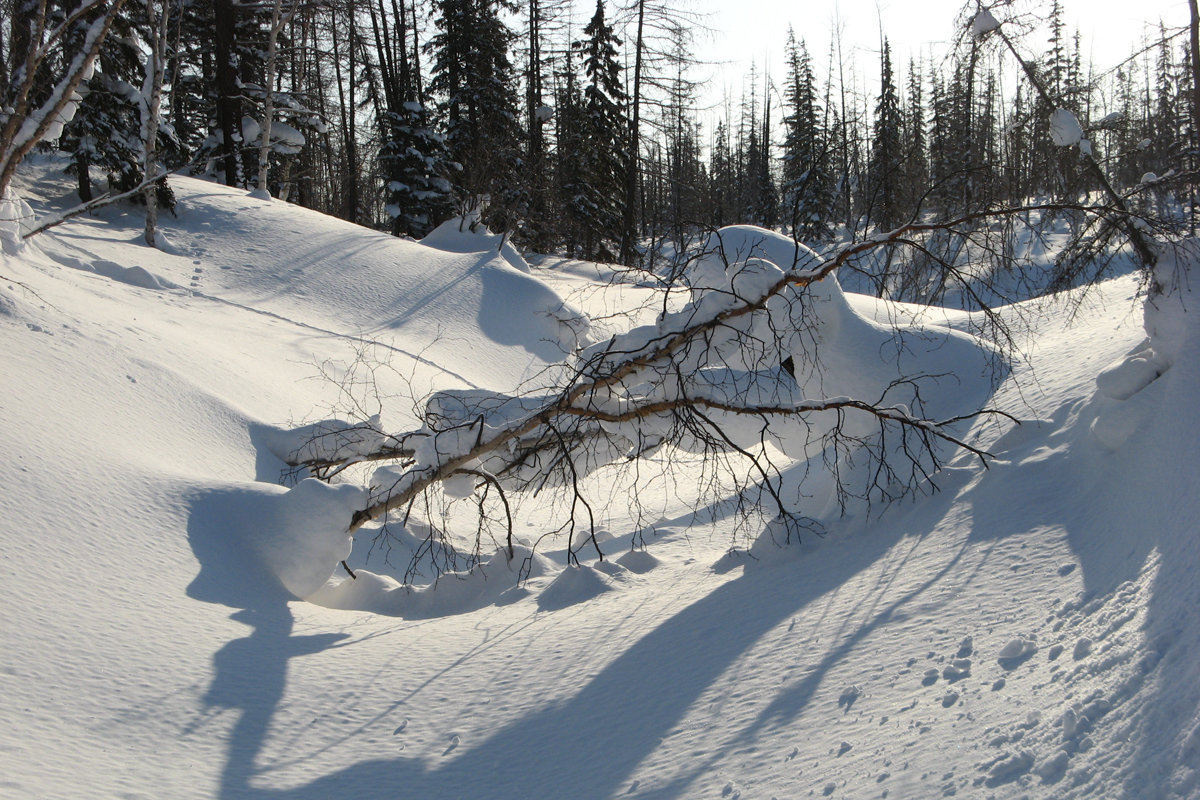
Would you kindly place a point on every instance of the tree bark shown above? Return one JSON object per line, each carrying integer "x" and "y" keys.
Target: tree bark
{"x": 629, "y": 223}
{"x": 82, "y": 163}
{"x": 229, "y": 106}
{"x": 264, "y": 146}
{"x": 151, "y": 111}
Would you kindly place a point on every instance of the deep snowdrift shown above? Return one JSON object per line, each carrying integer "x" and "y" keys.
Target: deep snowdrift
{"x": 1029, "y": 630}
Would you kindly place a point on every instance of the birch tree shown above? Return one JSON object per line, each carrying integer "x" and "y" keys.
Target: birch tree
{"x": 28, "y": 120}
{"x": 151, "y": 106}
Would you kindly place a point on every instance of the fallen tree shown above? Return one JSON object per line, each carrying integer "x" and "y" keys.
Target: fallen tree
{"x": 785, "y": 397}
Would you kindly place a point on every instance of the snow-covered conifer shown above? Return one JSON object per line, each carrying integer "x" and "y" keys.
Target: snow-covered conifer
{"x": 807, "y": 182}
{"x": 886, "y": 156}
{"x": 596, "y": 206}
{"x": 416, "y": 170}
{"x": 473, "y": 77}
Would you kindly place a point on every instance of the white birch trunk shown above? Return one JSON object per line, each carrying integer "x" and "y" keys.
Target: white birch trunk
{"x": 264, "y": 145}
{"x": 151, "y": 112}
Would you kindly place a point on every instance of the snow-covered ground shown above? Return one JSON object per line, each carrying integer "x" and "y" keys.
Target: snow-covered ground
{"x": 1029, "y": 630}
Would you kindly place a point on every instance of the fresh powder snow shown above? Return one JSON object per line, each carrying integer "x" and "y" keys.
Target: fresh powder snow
{"x": 178, "y": 622}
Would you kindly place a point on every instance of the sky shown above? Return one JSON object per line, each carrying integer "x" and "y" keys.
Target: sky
{"x": 756, "y": 30}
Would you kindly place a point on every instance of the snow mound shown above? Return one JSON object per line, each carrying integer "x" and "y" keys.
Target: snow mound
{"x": 134, "y": 276}
{"x": 16, "y": 217}
{"x": 573, "y": 585}
{"x": 495, "y": 581}
{"x": 466, "y": 234}
{"x": 470, "y": 313}
{"x": 1130, "y": 375}
{"x": 303, "y": 532}
{"x": 638, "y": 561}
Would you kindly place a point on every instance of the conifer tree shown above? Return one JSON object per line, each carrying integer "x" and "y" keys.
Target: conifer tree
{"x": 884, "y": 171}
{"x": 597, "y": 205}
{"x": 412, "y": 157}
{"x": 682, "y": 173}
{"x": 105, "y": 130}
{"x": 915, "y": 166}
{"x": 722, "y": 175}
{"x": 568, "y": 154}
{"x": 756, "y": 188}
{"x": 474, "y": 78}
{"x": 807, "y": 183}
{"x": 415, "y": 167}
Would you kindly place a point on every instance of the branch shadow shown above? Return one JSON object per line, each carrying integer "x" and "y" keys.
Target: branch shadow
{"x": 249, "y": 674}
{"x": 624, "y": 712}
{"x": 1042, "y": 486}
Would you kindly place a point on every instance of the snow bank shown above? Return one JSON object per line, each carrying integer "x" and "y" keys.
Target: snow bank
{"x": 302, "y": 533}
{"x": 1128, "y": 385}
{"x": 466, "y": 234}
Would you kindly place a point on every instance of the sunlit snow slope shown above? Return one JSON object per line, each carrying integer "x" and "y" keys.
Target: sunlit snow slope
{"x": 1028, "y": 630}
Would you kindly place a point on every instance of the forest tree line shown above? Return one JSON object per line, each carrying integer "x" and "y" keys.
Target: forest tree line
{"x": 579, "y": 132}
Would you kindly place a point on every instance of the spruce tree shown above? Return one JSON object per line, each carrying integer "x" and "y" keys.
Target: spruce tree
{"x": 412, "y": 158}
{"x": 473, "y": 77}
{"x": 570, "y": 170}
{"x": 105, "y": 130}
{"x": 598, "y": 204}
{"x": 722, "y": 175}
{"x": 915, "y": 167}
{"x": 415, "y": 166}
{"x": 885, "y": 206}
{"x": 807, "y": 182}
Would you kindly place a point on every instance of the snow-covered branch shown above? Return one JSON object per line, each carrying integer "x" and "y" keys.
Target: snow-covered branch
{"x": 103, "y": 200}
{"x": 24, "y": 126}
{"x": 765, "y": 365}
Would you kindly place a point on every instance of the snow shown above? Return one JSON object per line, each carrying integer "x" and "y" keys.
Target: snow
{"x": 15, "y": 219}
{"x": 300, "y": 533}
{"x": 1028, "y": 630}
{"x": 326, "y": 440}
{"x": 983, "y": 23}
{"x": 1065, "y": 130}
{"x": 284, "y": 138}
